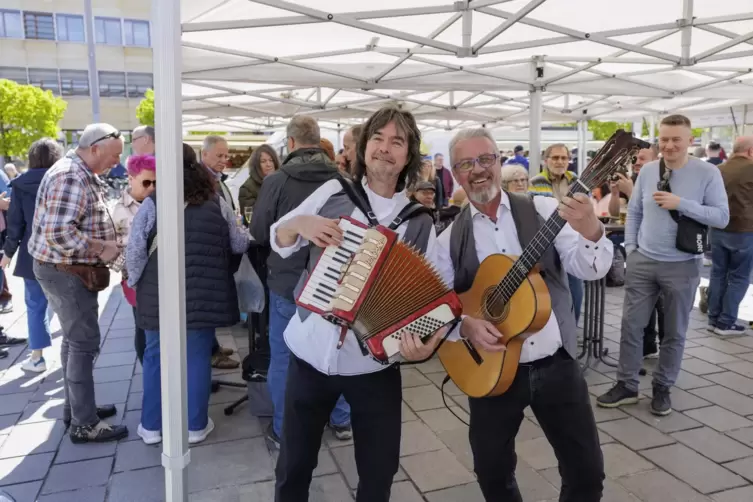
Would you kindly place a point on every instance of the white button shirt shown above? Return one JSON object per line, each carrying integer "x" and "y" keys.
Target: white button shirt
{"x": 580, "y": 257}
{"x": 315, "y": 339}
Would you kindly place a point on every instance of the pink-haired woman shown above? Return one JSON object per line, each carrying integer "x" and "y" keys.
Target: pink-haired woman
{"x": 142, "y": 181}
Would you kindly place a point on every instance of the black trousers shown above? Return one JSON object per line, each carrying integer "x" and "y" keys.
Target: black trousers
{"x": 650, "y": 332}
{"x": 139, "y": 340}
{"x": 555, "y": 390}
{"x": 375, "y": 416}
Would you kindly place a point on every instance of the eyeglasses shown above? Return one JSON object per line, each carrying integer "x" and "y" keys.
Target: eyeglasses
{"x": 486, "y": 161}
{"x": 112, "y": 135}
{"x": 148, "y": 183}
{"x": 521, "y": 181}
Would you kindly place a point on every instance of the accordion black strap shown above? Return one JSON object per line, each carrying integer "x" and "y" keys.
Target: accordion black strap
{"x": 358, "y": 196}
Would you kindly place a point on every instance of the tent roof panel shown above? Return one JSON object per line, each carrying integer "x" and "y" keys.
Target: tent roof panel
{"x": 270, "y": 59}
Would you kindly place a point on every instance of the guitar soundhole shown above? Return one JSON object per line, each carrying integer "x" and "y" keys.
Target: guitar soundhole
{"x": 494, "y": 309}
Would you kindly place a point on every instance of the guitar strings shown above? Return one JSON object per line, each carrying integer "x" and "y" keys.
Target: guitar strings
{"x": 593, "y": 177}
{"x": 511, "y": 282}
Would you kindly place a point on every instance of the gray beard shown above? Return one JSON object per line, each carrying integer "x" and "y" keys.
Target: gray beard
{"x": 485, "y": 196}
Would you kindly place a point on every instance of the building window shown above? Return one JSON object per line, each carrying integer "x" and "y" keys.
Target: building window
{"x": 39, "y": 26}
{"x": 74, "y": 82}
{"x": 136, "y": 33}
{"x": 108, "y": 31}
{"x": 10, "y": 24}
{"x": 15, "y": 74}
{"x": 112, "y": 84}
{"x": 70, "y": 28}
{"x": 45, "y": 78}
{"x": 138, "y": 83}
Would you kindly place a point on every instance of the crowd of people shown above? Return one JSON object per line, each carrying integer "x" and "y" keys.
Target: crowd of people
{"x": 66, "y": 241}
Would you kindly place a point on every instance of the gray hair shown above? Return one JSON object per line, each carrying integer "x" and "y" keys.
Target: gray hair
{"x": 466, "y": 134}
{"x": 549, "y": 149}
{"x": 510, "y": 170}
{"x": 143, "y": 131}
{"x": 212, "y": 140}
{"x": 304, "y": 129}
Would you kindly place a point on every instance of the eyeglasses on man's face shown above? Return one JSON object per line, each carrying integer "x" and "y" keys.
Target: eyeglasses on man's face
{"x": 486, "y": 161}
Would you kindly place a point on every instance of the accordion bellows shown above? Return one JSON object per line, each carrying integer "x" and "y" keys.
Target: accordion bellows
{"x": 383, "y": 289}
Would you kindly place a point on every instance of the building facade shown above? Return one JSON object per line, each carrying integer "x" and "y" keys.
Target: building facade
{"x": 44, "y": 43}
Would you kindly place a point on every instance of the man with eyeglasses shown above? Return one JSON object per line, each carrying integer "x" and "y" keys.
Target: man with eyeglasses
{"x": 72, "y": 241}
{"x": 554, "y": 182}
{"x": 695, "y": 190}
{"x": 142, "y": 140}
{"x": 549, "y": 378}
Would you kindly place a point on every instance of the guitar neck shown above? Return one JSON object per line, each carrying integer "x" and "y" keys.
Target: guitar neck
{"x": 536, "y": 248}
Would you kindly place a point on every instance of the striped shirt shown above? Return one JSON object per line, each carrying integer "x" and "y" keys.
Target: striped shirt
{"x": 71, "y": 210}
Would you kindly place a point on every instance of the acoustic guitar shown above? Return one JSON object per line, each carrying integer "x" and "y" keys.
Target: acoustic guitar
{"x": 509, "y": 292}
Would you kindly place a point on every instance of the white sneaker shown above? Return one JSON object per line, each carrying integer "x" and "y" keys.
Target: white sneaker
{"x": 38, "y": 366}
{"x": 199, "y": 436}
{"x": 149, "y": 437}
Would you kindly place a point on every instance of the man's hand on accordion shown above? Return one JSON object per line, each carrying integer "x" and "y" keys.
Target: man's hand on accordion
{"x": 318, "y": 230}
{"x": 413, "y": 349}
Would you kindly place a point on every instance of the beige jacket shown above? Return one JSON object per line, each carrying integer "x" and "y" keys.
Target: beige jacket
{"x": 123, "y": 213}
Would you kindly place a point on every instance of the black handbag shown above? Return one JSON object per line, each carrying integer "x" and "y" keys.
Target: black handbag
{"x": 691, "y": 234}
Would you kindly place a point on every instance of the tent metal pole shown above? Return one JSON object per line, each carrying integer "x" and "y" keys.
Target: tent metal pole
{"x": 91, "y": 51}
{"x": 582, "y": 145}
{"x": 687, "y": 31}
{"x": 170, "y": 243}
{"x": 652, "y": 129}
{"x": 534, "y": 130}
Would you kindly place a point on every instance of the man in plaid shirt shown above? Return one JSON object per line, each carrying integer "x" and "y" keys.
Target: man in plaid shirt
{"x": 72, "y": 240}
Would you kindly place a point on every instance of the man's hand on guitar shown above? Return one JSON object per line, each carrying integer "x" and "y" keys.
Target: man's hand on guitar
{"x": 319, "y": 230}
{"x": 579, "y": 212}
{"x": 482, "y": 333}
{"x": 413, "y": 349}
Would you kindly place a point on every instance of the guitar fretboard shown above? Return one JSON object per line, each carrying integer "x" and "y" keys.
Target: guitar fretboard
{"x": 531, "y": 254}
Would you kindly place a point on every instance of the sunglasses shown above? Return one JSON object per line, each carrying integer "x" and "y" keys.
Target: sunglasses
{"x": 148, "y": 183}
{"x": 112, "y": 135}
{"x": 663, "y": 184}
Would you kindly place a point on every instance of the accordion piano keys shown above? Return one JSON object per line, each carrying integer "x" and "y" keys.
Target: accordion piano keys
{"x": 325, "y": 278}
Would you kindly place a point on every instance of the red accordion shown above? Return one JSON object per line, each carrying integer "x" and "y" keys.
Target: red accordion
{"x": 379, "y": 287}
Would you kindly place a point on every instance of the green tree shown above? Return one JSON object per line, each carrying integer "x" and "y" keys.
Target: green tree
{"x": 602, "y": 131}
{"x": 27, "y": 113}
{"x": 145, "y": 110}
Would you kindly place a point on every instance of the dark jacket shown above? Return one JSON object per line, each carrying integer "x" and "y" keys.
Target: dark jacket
{"x": 211, "y": 297}
{"x": 248, "y": 193}
{"x": 20, "y": 217}
{"x": 737, "y": 174}
{"x": 302, "y": 172}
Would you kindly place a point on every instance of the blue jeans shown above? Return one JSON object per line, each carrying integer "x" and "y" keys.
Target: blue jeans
{"x": 280, "y": 312}
{"x": 199, "y": 379}
{"x": 731, "y": 262}
{"x": 37, "y": 318}
{"x": 576, "y": 292}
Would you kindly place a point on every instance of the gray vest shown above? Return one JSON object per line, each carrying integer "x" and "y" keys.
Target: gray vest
{"x": 527, "y": 222}
{"x": 417, "y": 233}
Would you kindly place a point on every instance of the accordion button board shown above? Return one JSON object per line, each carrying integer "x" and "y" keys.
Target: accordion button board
{"x": 423, "y": 327}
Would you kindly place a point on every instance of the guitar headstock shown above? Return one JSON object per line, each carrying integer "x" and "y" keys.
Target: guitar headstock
{"x": 619, "y": 151}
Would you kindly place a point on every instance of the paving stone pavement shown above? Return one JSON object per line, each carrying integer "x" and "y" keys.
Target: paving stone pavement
{"x": 702, "y": 452}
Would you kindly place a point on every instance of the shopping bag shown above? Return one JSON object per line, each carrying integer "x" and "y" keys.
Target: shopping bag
{"x": 249, "y": 287}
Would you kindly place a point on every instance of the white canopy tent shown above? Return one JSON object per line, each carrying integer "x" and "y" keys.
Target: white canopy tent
{"x": 252, "y": 64}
